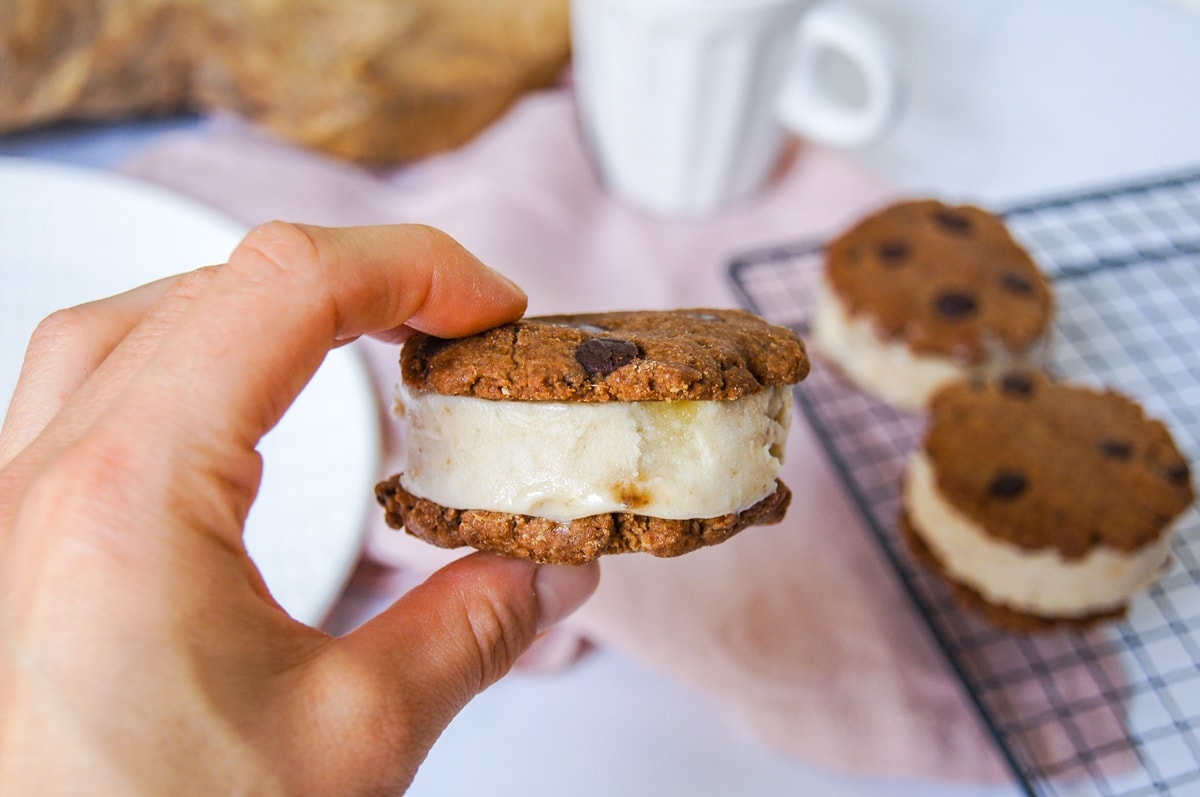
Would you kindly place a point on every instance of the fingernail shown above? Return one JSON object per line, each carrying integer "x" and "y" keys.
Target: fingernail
{"x": 561, "y": 589}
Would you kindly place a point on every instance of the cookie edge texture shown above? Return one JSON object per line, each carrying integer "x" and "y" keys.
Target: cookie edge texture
{"x": 710, "y": 354}
{"x": 574, "y": 542}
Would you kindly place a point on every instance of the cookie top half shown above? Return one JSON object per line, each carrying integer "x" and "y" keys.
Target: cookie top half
{"x": 621, "y": 356}
{"x": 1043, "y": 464}
{"x": 946, "y": 280}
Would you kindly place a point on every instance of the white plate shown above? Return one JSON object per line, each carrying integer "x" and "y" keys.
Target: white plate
{"x": 69, "y": 235}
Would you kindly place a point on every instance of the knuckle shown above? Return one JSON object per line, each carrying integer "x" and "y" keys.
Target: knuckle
{"x": 500, "y": 631}
{"x": 61, "y": 330}
{"x": 76, "y": 492}
{"x": 279, "y": 257}
{"x": 179, "y": 297}
{"x": 276, "y": 248}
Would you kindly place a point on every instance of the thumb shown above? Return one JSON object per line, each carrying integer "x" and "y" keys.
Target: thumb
{"x": 417, "y": 664}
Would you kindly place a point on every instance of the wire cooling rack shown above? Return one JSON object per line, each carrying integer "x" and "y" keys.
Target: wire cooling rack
{"x": 1114, "y": 711}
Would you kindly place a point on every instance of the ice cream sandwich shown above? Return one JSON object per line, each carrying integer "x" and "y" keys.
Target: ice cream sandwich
{"x": 922, "y": 294}
{"x": 563, "y": 438}
{"x": 1044, "y": 503}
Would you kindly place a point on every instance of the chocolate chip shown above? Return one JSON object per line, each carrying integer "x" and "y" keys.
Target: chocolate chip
{"x": 1117, "y": 449}
{"x": 605, "y": 355}
{"x": 1179, "y": 473}
{"x": 1017, "y": 385}
{"x": 955, "y": 305}
{"x": 952, "y": 221}
{"x": 893, "y": 253}
{"x": 1007, "y": 485}
{"x": 1016, "y": 283}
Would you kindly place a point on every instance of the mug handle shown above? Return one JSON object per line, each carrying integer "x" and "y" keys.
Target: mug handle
{"x": 809, "y": 107}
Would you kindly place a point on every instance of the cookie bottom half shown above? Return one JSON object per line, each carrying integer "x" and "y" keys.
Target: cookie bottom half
{"x": 568, "y": 542}
{"x": 997, "y": 614}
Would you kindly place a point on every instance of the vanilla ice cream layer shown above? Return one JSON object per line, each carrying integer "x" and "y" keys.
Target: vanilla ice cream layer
{"x": 891, "y": 370}
{"x": 566, "y": 460}
{"x": 1037, "y": 582}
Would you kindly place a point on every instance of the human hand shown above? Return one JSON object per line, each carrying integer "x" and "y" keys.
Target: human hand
{"x": 140, "y": 651}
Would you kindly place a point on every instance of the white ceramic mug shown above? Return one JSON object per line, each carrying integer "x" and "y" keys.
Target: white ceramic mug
{"x": 686, "y": 105}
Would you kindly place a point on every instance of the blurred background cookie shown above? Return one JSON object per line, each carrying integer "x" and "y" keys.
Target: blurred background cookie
{"x": 1044, "y": 503}
{"x": 376, "y": 81}
{"x": 922, "y": 294}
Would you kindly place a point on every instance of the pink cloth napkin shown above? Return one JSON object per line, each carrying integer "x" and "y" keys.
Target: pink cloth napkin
{"x": 800, "y": 629}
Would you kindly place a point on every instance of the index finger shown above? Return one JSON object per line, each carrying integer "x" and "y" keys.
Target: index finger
{"x": 255, "y": 336}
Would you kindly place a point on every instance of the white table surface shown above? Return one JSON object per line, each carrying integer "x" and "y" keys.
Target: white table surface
{"x": 1005, "y": 100}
